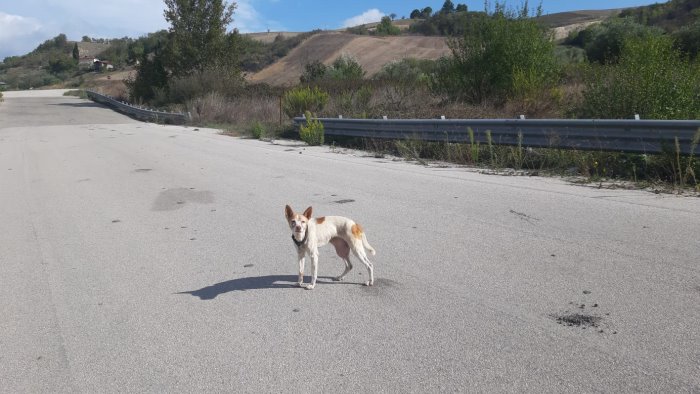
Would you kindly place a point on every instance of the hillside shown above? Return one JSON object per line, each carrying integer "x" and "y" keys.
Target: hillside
{"x": 373, "y": 52}
{"x": 370, "y": 51}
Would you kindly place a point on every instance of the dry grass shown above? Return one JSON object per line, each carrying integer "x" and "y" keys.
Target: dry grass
{"x": 112, "y": 88}
{"x": 237, "y": 114}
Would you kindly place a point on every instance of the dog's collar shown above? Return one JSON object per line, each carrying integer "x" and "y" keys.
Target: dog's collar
{"x": 303, "y": 241}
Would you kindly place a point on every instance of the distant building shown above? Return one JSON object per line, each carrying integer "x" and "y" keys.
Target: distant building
{"x": 101, "y": 65}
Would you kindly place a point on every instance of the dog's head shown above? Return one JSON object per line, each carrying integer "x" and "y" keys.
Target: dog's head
{"x": 298, "y": 223}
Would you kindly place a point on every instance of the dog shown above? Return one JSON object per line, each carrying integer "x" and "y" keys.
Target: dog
{"x": 343, "y": 233}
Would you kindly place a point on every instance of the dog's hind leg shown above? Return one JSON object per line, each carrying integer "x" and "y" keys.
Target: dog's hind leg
{"x": 343, "y": 251}
{"x": 348, "y": 267}
{"x": 360, "y": 253}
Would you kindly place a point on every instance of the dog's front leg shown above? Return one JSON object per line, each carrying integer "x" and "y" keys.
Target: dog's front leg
{"x": 300, "y": 282}
{"x": 314, "y": 267}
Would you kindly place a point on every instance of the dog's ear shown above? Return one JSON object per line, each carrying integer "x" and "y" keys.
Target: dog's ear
{"x": 288, "y": 212}
{"x": 307, "y": 213}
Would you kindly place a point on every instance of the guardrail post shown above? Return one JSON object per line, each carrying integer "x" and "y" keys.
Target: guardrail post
{"x": 385, "y": 117}
{"x": 442, "y": 117}
{"x": 340, "y": 116}
{"x": 522, "y": 117}
{"x": 636, "y": 117}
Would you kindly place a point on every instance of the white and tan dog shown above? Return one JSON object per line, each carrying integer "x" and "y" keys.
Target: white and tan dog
{"x": 344, "y": 234}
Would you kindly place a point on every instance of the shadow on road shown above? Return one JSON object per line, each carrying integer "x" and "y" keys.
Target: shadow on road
{"x": 252, "y": 283}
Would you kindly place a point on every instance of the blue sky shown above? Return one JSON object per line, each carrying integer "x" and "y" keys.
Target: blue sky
{"x": 26, "y": 23}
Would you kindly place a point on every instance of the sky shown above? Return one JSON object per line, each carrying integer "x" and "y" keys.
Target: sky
{"x": 24, "y": 24}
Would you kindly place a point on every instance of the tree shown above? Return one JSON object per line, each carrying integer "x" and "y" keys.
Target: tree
{"x": 448, "y": 7}
{"x": 198, "y": 36}
{"x": 151, "y": 76}
{"x": 76, "y": 52}
{"x": 461, "y": 8}
{"x": 427, "y": 12}
{"x": 415, "y": 14}
{"x": 386, "y": 28}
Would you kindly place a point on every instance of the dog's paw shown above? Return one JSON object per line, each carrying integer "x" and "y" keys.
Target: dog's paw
{"x": 309, "y": 287}
{"x": 368, "y": 283}
{"x": 300, "y": 284}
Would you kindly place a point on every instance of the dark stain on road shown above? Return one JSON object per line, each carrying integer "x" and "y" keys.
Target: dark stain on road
{"x": 578, "y": 320}
{"x": 344, "y": 201}
{"x": 143, "y": 170}
{"x": 172, "y": 199}
{"x": 525, "y": 217}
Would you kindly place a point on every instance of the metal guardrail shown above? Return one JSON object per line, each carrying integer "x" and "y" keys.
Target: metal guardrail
{"x": 138, "y": 112}
{"x": 634, "y": 136}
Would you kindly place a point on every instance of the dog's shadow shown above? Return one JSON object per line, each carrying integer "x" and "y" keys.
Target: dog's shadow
{"x": 253, "y": 283}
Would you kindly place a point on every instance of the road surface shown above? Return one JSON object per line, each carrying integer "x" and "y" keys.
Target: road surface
{"x": 137, "y": 257}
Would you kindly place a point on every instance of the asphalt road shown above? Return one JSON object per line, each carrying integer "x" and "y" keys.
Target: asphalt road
{"x": 137, "y": 257}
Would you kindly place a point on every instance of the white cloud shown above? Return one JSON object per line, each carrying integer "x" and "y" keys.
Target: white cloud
{"x": 247, "y": 19}
{"x": 15, "y": 32}
{"x": 41, "y": 20}
{"x": 369, "y": 16}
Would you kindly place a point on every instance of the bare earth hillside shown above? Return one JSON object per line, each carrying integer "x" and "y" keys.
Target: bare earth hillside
{"x": 371, "y": 52}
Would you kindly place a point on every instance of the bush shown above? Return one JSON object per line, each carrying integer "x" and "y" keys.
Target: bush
{"x": 386, "y": 28}
{"x": 345, "y": 67}
{"x": 300, "y": 100}
{"x": 501, "y": 56}
{"x": 603, "y": 42}
{"x": 407, "y": 70}
{"x": 312, "y": 133}
{"x": 257, "y": 130}
{"x": 651, "y": 79}
{"x": 313, "y": 72}
{"x": 688, "y": 39}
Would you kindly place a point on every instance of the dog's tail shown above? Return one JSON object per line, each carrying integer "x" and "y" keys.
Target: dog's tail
{"x": 367, "y": 245}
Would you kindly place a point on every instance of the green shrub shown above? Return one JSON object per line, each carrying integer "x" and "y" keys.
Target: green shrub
{"x": 300, "y": 100}
{"x": 313, "y": 72}
{"x": 688, "y": 39}
{"x": 651, "y": 79}
{"x": 345, "y": 67}
{"x": 257, "y": 130}
{"x": 603, "y": 42}
{"x": 501, "y": 56}
{"x": 407, "y": 70}
{"x": 312, "y": 133}
{"x": 386, "y": 28}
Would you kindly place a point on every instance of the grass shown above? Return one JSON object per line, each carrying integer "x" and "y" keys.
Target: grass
{"x": 666, "y": 172}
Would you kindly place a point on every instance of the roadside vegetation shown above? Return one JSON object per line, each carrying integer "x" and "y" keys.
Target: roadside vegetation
{"x": 504, "y": 63}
